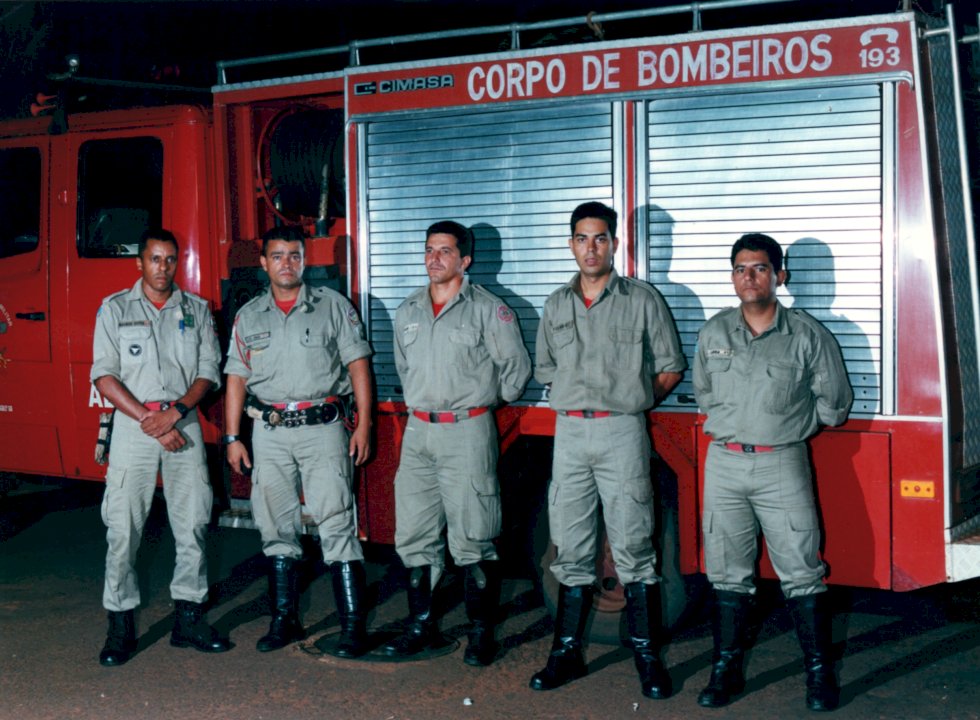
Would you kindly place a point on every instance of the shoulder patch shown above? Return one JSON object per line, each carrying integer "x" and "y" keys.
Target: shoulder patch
{"x": 505, "y": 314}
{"x": 352, "y": 317}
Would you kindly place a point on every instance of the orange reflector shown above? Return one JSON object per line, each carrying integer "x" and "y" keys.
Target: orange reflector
{"x": 918, "y": 489}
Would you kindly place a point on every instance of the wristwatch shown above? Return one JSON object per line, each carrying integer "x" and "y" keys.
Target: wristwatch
{"x": 181, "y": 408}
{"x": 229, "y": 439}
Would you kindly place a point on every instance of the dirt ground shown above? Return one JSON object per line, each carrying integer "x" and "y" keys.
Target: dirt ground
{"x": 914, "y": 655}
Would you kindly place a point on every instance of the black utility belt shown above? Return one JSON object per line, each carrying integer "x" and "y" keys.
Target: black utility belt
{"x": 324, "y": 413}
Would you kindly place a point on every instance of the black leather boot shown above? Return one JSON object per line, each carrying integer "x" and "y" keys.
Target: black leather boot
{"x": 421, "y": 631}
{"x": 566, "y": 661}
{"x": 348, "y": 590}
{"x": 284, "y": 595}
{"x": 120, "y": 642}
{"x": 731, "y": 621}
{"x": 482, "y": 595}
{"x": 191, "y": 629}
{"x": 643, "y": 622}
{"x": 814, "y": 628}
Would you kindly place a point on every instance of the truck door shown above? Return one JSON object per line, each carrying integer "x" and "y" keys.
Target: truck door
{"x": 115, "y": 191}
{"x": 28, "y": 434}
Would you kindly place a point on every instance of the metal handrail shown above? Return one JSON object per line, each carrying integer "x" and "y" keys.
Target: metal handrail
{"x": 514, "y": 29}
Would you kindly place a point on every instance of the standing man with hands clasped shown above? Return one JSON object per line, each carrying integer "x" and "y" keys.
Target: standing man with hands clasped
{"x": 155, "y": 357}
{"x": 766, "y": 377}
{"x": 459, "y": 353}
{"x": 609, "y": 351}
{"x": 296, "y": 354}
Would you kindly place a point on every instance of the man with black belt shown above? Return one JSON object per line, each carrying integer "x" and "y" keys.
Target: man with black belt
{"x": 458, "y": 352}
{"x": 155, "y": 357}
{"x": 766, "y": 377}
{"x": 298, "y": 352}
{"x": 608, "y": 348}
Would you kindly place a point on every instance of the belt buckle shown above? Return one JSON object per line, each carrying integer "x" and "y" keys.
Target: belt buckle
{"x": 329, "y": 413}
{"x": 748, "y": 448}
{"x": 291, "y": 406}
{"x": 433, "y": 417}
{"x": 164, "y": 406}
{"x": 590, "y": 414}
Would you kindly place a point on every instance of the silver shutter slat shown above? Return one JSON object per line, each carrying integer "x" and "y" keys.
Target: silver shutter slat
{"x": 801, "y": 165}
{"x": 513, "y": 176}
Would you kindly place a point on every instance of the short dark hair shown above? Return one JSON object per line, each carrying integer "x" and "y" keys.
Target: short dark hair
{"x": 286, "y": 233}
{"x": 756, "y": 242}
{"x": 464, "y": 238}
{"x": 596, "y": 210}
{"x": 155, "y": 234}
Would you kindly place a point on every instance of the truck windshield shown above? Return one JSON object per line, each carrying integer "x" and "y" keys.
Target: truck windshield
{"x": 120, "y": 194}
{"x": 20, "y": 200}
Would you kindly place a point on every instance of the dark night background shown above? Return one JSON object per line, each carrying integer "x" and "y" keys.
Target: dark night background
{"x": 178, "y": 42}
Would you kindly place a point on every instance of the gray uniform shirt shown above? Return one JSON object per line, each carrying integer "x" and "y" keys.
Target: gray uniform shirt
{"x": 471, "y": 356}
{"x": 156, "y": 354}
{"x": 605, "y": 357}
{"x": 772, "y": 389}
{"x": 300, "y": 356}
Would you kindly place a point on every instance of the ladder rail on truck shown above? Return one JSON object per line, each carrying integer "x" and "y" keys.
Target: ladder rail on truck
{"x": 855, "y": 168}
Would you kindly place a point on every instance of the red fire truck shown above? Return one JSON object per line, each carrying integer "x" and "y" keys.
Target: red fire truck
{"x": 843, "y": 139}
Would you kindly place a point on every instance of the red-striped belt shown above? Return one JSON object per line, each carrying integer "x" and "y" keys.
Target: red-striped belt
{"x": 304, "y": 404}
{"x": 589, "y": 414}
{"x": 743, "y": 448}
{"x": 158, "y": 406}
{"x": 449, "y": 417}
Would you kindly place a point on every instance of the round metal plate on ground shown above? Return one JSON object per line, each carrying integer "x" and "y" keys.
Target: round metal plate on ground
{"x": 327, "y": 645}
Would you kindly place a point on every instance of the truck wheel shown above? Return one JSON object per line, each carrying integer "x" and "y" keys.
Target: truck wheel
{"x": 680, "y": 594}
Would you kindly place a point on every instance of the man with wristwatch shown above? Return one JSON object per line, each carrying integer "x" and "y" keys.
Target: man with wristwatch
{"x": 296, "y": 354}
{"x": 155, "y": 357}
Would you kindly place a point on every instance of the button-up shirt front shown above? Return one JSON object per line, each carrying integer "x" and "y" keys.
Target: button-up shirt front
{"x": 156, "y": 354}
{"x": 605, "y": 357}
{"x": 302, "y": 355}
{"x": 471, "y": 355}
{"x": 771, "y": 389}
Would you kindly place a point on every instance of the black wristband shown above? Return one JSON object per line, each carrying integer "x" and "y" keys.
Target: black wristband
{"x": 181, "y": 408}
{"x": 229, "y": 439}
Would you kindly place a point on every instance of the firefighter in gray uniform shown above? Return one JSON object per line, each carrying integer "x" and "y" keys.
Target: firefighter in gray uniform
{"x": 295, "y": 355}
{"x": 458, "y": 352}
{"x": 608, "y": 348}
{"x": 155, "y": 357}
{"x": 766, "y": 377}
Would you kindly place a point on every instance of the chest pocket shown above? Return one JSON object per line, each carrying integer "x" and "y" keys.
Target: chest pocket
{"x": 257, "y": 346}
{"x": 410, "y": 334}
{"x": 786, "y": 386}
{"x": 627, "y": 346}
{"x": 464, "y": 338}
{"x": 316, "y": 357}
{"x": 465, "y": 346}
{"x": 135, "y": 344}
{"x": 189, "y": 347}
{"x": 718, "y": 369}
{"x": 563, "y": 334}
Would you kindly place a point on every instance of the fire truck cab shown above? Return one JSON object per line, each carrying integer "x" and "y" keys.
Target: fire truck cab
{"x": 73, "y": 206}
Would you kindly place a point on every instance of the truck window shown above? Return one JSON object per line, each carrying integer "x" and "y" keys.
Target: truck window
{"x": 20, "y": 200}
{"x": 120, "y": 194}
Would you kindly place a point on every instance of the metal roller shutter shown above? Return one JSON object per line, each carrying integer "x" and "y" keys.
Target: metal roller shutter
{"x": 802, "y": 165}
{"x": 513, "y": 176}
